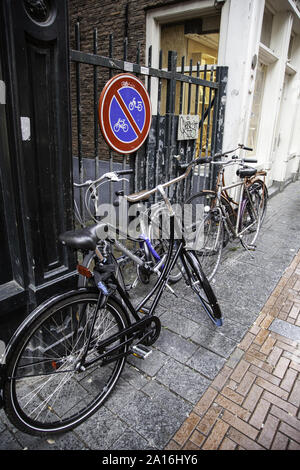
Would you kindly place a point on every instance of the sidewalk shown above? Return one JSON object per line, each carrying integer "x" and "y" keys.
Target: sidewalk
{"x": 234, "y": 387}
{"x": 254, "y": 401}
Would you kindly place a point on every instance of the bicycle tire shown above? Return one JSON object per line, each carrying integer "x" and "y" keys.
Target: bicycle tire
{"x": 250, "y": 218}
{"x": 200, "y": 285}
{"x": 262, "y": 190}
{"x": 44, "y": 394}
{"x": 161, "y": 246}
{"x": 211, "y": 240}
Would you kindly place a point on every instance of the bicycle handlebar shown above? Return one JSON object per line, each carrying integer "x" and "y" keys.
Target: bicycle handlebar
{"x": 240, "y": 146}
{"x": 112, "y": 175}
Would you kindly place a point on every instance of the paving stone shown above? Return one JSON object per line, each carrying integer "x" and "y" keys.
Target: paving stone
{"x": 153, "y": 419}
{"x": 183, "y": 381}
{"x": 8, "y": 441}
{"x": 152, "y": 364}
{"x": 214, "y": 341}
{"x": 101, "y": 430}
{"x": 206, "y": 362}
{"x": 131, "y": 440}
{"x": 285, "y": 329}
{"x": 175, "y": 346}
{"x": 179, "y": 324}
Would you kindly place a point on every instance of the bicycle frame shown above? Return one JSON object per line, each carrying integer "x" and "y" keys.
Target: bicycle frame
{"x": 222, "y": 190}
{"x": 141, "y": 323}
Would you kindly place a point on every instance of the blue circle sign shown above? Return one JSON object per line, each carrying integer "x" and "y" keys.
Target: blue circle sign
{"x": 125, "y": 113}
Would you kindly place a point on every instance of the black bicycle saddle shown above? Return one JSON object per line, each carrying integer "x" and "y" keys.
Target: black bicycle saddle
{"x": 246, "y": 172}
{"x": 82, "y": 239}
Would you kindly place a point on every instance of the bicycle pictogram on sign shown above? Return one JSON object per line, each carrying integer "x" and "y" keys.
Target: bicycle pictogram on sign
{"x": 125, "y": 113}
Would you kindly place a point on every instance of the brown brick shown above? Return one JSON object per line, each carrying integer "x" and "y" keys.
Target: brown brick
{"x": 286, "y": 417}
{"x": 268, "y": 345}
{"x": 240, "y": 424}
{"x": 246, "y": 383}
{"x": 227, "y": 444}
{"x": 271, "y": 388}
{"x": 232, "y": 395}
{"x": 295, "y": 394}
{"x": 243, "y": 440}
{"x": 246, "y": 341}
{"x": 289, "y": 379}
{"x": 233, "y": 407}
{"x": 186, "y": 429}
{"x": 254, "y": 351}
{"x": 240, "y": 370}
{"x": 284, "y": 405}
{"x": 294, "y": 312}
{"x": 280, "y": 442}
{"x": 265, "y": 375}
{"x": 268, "y": 432}
{"x": 209, "y": 419}
{"x": 281, "y": 367}
{"x": 261, "y": 337}
{"x": 219, "y": 382}
{"x": 216, "y": 436}
{"x": 266, "y": 322}
{"x": 189, "y": 445}
{"x": 252, "y": 397}
{"x": 290, "y": 432}
{"x": 274, "y": 355}
{"x": 260, "y": 413}
{"x": 293, "y": 445}
{"x": 205, "y": 401}
{"x": 173, "y": 446}
{"x": 197, "y": 438}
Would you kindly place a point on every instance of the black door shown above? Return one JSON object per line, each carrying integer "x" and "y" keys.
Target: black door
{"x": 35, "y": 164}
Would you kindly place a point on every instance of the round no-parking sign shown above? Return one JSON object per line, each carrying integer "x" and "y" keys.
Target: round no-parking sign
{"x": 124, "y": 113}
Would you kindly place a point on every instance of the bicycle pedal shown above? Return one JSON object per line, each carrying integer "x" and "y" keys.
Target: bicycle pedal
{"x": 141, "y": 351}
{"x": 251, "y": 247}
{"x": 144, "y": 310}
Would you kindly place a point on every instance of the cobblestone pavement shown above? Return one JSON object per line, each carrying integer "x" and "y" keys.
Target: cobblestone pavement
{"x": 203, "y": 387}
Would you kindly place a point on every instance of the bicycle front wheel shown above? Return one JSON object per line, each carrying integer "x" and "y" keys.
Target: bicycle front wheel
{"x": 250, "y": 221}
{"x": 206, "y": 231}
{"x": 199, "y": 283}
{"x": 45, "y": 393}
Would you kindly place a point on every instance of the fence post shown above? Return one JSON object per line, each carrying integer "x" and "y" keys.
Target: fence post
{"x": 218, "y": 117}
{"x": 170, "y": 111}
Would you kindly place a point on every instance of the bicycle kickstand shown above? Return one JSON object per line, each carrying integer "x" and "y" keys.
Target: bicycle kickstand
{"x": 248, "y": 248}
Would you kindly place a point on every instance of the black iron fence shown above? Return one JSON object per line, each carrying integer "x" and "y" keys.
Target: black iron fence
{"x": 188, "y": 114}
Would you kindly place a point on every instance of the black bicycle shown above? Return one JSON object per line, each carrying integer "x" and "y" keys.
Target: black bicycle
{"x": 67, "y": 356}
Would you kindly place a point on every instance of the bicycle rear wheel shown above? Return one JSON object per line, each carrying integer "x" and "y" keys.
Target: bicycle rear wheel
{"x": 262, "y": 192}
{"x": 45, "y": 393}
{"x": 197, "y": 280}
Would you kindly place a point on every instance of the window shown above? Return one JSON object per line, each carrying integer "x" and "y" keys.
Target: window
{"x": 198, "y": 42}
{"x": 266, "y": 31}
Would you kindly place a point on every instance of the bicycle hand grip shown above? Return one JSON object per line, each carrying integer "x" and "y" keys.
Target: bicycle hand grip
{"x": 250, "y": 160}
{"x": 124, "y": 172}
{"x": 202, "y": 160}
{"x": 242, "y": 146}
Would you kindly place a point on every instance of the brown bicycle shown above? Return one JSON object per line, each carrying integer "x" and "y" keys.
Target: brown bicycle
{"x": 225, "y": 218}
